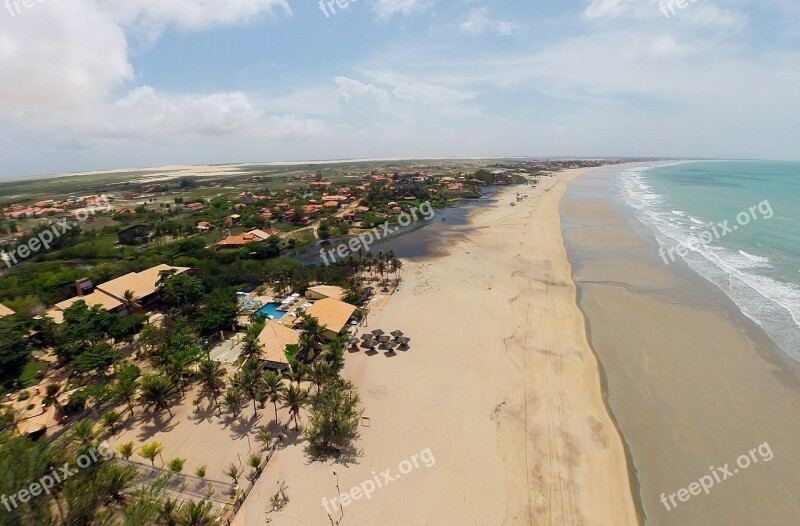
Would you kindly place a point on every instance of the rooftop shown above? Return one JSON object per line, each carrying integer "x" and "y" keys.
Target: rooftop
{"x": 105, "y": 301}
{"x": 331, "y": 313}
{"x": 274, "y": 338}
{"x": 5, "y": 311}
{"x": 142, "y": 284}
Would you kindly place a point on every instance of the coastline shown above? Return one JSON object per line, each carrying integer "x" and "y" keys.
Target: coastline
{"x": 692, "y": 381}
{"x": 500, "y": 385}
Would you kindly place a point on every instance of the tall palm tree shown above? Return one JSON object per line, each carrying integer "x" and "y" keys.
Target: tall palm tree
{"x": 296, "y": 373}
{"x": 335, "y": 355}
{"x": 110, "y": 420}
{"x": 157, "y": 390}
{"x": 274, "y": 388}
{"x": 232, "y": 400}
{"x": 318, "y": 373}
{"x": 381, "y": 267}
{"x": 250, "y": 381}
{"x": 124, "y": 390}
{"x": 211, "y": 374}
{"x": 295, "y": 399}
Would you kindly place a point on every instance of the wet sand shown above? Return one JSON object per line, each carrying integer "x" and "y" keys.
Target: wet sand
{"x": 692, "y": 383}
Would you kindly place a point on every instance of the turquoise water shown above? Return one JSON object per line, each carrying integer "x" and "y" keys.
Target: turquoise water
{"x": 754, "y": 257}
{"x": 271, "y": 309}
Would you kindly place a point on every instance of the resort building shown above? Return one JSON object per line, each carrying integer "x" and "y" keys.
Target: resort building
{"x": 320, "y": 292}
{"x": 331, "y": 314}
{"x": 5, "y": 311}
{"x": 96, "y": 298}
{"x": 273, "y": 339}
{"x": 144, "y": 284}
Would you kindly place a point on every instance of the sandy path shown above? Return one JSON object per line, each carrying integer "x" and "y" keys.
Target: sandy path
{"x": 499, "y": 385}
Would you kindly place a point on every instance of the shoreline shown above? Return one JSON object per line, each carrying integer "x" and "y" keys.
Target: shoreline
{"x": 692, "y": 381}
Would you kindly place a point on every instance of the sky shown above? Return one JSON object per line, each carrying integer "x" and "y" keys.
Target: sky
{"x": 103, "y": 84}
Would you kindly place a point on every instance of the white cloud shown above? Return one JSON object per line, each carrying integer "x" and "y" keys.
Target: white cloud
{"x": 65, "y": 61}
{"x": 387, "y": 8}
{"x": 478, "y": 22}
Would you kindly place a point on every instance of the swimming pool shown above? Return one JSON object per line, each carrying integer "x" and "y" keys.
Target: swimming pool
{"x": 271, "y": 309}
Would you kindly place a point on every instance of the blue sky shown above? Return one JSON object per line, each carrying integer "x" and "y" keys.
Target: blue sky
{"x": 101, "y": 84}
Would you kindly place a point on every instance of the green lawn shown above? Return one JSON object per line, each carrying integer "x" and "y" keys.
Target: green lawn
{"x": 28, "y": 376}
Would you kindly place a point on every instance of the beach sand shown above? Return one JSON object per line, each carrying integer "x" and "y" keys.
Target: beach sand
{"x": 693, "y": 384}
{"x": 500, "y": 386}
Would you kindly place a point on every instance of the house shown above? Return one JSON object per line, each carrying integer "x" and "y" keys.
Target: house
{"x": 144, "y": 284}
{"x": 253, "y": 236}
{"x": 233, "y": 220}
{"x": 274, "y": 338}
{"x": 325, "y": 291}
{"x": 203, "y": 226}
{"x": 332, "y": 314}
{"x": 134, "y": 235}
{"x": 5, "y": 311}
{"x": 193, "y": 207}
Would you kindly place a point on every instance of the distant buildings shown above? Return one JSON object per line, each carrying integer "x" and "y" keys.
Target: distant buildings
{"x": 253, "y": 236}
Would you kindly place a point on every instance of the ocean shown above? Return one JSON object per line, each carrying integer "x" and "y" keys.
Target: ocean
{"x": 735, "y": 224}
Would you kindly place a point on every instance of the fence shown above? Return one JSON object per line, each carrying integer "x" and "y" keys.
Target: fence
{"x": 179, "y": 486}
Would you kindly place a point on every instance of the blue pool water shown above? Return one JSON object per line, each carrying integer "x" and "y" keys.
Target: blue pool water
{"x": 271, "y": 309}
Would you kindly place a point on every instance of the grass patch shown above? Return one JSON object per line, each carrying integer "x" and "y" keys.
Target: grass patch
{"x": 29, "y": 374}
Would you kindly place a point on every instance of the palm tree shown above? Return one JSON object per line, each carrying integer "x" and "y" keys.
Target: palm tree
{"x": 157, "y": 390}
{"x": 296, "y": 372}
{"x": 151, "y": 451}
{"x": 274, "y": 388}
{"x": 381, "y": 269}
{"x": 234, "y": 473}
{"x": 83, "y": 432}
{"x": 310, "y": 325}
{"x": 251, "y": 347}
{"x": 212, "y": 377}
{"x": 126, "y": 450}
{"x": 318, "y": 373}
{"x": 295, "y": 399}
{"x": 124, "y": 390}
{"x": 232, "y": 400}
{"x": 168, "y": 510}
{"x": 110, "y": 420}
{"x": 249, "y": 381}
{"x": 176, "y": 464}
{"x": 335, "y": 355}
{"x": 129, "y": 300}
{"x": 197, "y": 514}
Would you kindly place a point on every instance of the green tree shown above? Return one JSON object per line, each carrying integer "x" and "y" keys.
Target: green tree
{"x": 212, "y": 377}
{"x": 333, "y": 417}
{"x": 158, "y": 391}
{"x": 295, "y": 399}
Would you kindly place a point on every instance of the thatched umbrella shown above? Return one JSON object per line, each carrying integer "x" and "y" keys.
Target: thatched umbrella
{"x": 385, "y": 338}
{"x": 369, "y": 344}
{"x": 396, "y": 334}
{"x": 403, "y": 340}
{"x": 390, "y": 345}
{"x": 366, "y": 337}
{"x": 353, "y": 341}
{"x": 378, "y": 332}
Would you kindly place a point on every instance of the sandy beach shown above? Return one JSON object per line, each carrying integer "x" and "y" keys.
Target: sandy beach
{"x": 692, "y": 382}
{"x": 500, "y": 388}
